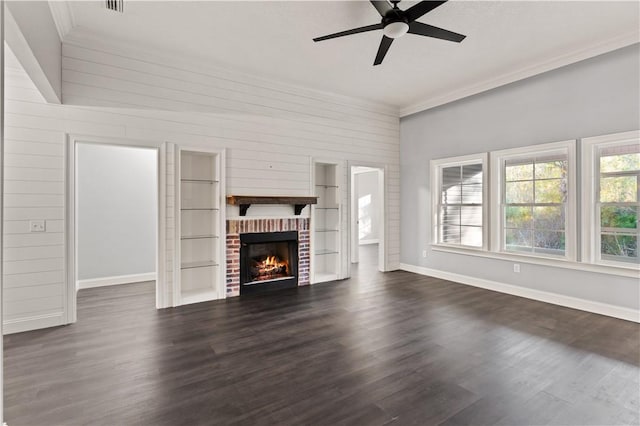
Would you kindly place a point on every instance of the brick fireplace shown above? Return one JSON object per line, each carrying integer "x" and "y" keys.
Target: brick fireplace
{"x": 236, "y": 227}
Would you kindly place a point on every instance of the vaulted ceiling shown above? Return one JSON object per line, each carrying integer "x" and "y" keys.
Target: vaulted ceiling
{"x": 506, "y": 40}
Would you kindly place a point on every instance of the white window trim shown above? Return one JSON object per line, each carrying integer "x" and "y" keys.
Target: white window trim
{"x": 436, "y": 166}
{"x": 497, "y": 159}
{"x": 590, "y": 247}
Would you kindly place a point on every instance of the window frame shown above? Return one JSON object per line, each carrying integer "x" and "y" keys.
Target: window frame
{"x": 497, "y": 168}
{"x": 436, "y": 167}
{"x": 591, "y": 229}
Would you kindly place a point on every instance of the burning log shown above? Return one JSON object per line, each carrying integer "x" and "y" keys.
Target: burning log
{"x": 270, "y": 267}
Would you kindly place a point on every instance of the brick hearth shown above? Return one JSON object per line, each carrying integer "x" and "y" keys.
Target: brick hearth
{"x": 237, "y": 227}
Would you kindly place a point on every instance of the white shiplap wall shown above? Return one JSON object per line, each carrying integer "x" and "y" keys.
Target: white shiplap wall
{"x": 34, "y": 189}
{"x": 270, "y": 131}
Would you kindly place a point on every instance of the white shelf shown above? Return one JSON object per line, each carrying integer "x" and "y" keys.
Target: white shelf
{"x": 204, "y": 264}
{"x": 197, "y": 237}
{"x": 323, "y": 252}
{"x": 326, "y": 236}
{"x": 209, "y": 181}
{"x": 200, "y": 224}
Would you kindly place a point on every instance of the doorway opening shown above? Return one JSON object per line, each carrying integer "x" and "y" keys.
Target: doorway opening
{"x": 367, "y": 223}
{"x": 115, "y": 205}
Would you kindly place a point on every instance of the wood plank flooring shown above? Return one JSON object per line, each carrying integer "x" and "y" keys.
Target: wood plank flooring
{"x": 393, "y": 348}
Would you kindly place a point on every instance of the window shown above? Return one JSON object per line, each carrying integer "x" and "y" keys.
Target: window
{"x": 526, "y": 204}
{"x": 458, "y": 201}
{"x": 613, "y": 164}
{"x": 534, "y": 198}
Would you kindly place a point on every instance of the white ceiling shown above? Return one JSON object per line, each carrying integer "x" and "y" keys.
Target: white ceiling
{"x": 274, "y": 40}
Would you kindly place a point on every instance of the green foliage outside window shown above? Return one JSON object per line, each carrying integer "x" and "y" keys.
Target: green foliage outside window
{"x": 620, "y": 163}
{"x": 625, "y": 246}
{"x": 535, "y": 194}
{"x": 619, "y": 208}
{"x": 625, "y": 217}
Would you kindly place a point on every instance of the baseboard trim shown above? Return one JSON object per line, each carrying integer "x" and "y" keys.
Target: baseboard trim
{"x": 366, "y": 242}
{"x": 35, "y": 322}
{"x": 620, "y": 312}
{"x": 121, "y": 279}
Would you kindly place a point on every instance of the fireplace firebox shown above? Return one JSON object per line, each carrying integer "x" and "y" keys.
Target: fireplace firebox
{"x": 268, "y": 261}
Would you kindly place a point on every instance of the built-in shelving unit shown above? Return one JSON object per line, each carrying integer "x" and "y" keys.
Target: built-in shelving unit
{"x": 201, "y": 227}
{"x": 326, "y": 236}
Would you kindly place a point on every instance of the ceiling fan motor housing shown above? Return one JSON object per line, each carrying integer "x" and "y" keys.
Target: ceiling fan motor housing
{"x": 395, "y": 24}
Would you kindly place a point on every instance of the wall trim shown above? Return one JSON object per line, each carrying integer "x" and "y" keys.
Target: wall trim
{"x": 620, "y": 312}
{"x": 62, "y": 17}
{"x": 117, "y": 280}
{"x": 603, "y": 47}
{"x": 86, "y": 38}
{"x": 34, "y": 322}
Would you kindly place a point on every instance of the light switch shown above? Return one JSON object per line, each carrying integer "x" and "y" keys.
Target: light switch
{"x": 37, "y": 226}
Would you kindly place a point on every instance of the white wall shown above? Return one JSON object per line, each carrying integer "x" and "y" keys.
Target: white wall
{"x": 271, "y": 132}
{"x": 117, "y": 210}
{"x": 369, "y": 208}
{"x": 1, "y": 206}
{"x": 32, "y": 34}
{"x": 593, "y": 97}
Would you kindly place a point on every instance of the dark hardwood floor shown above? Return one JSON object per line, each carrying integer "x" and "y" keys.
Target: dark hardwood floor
{"x": 393, "y": 348}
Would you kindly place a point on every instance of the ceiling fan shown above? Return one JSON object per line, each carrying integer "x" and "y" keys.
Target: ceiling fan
{"x": 396, "y": 23}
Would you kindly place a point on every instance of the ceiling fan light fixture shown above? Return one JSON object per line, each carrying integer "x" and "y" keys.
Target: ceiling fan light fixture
{"x": 395, "y": 29}
{"x": 397, "y": 22}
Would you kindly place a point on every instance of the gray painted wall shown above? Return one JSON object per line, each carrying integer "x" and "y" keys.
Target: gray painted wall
{"x": 117, "y": 210}
{"x": 367, "y": 184}
{"x": 593, "y": 97}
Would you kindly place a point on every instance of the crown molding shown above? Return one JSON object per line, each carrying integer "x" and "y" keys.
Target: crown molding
{"x": 85, "y": 38}
{"x": 62, "y": 17}
{"x": 606, "y": 46}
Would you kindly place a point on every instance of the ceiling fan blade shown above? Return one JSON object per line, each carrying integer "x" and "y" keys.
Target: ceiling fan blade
{"x": 349, "y": 32}
{"x": 382, "y": 6}
{"x": 385, "y": 44}
{"x": 414, "y": 12}
{"x": 430, "y": 31}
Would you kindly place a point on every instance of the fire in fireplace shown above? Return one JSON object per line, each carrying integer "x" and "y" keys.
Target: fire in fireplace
{"x": 269, "y": 268}
{"x": 268, "y": 261}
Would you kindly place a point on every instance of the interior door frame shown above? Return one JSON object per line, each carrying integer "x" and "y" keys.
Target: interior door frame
{"x": 354, "y": 220}
{"x": 382, "y": 187}
{"x": 71, "y": 214}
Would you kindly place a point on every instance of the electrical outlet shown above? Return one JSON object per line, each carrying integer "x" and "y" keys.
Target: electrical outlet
{"x": 424, "y": 253}
{"x": 37, "y": 226}
{"x": 516, "y": 268}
